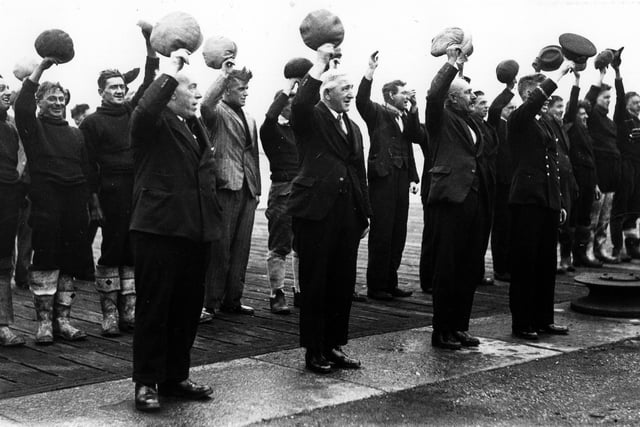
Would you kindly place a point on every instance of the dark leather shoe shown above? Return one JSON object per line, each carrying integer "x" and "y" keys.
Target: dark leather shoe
{"x": 341, "y": 360}
{"x": 146, "y": 398}
{"x": 206, "y": 316}
{"x": 296, "y": 298}
{"x": 503, "y": 277}
{"x": 554, "y": 329}
{"x": 445, "y": 339}
{"x": 241, "y": 309}
{"x": 380, "y": 295}
{"x": 356, "y": 297}
{"x": 278, "y": 303}
{"x": 186, "y": 389}
{"x": 525, "y": 334}
{"x": 399, "y": 293}
{"x": 487, "y": 281}
{"x": 465, "y": 339}
{"x": 315, "y": 362}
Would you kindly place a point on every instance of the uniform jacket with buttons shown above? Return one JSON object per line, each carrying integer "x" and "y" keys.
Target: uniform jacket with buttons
{"x": 534, "y": 150}
{"x": 385, "y": 135}
{"x": 332, "y": 163}
{"x": 174, "y": 192}
{"x": 236, "y": 158}
{"x": 457, "y": 162}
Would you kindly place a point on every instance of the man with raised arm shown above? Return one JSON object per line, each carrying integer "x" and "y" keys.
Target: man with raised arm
{"x": 175, "y": 217}
{"x": 106, "y": 133}
{"x": 536, "y": 209}
{"x": 393, "y": 128}
{"x": 329, "y": 203}
{"x": 458, "y": 203}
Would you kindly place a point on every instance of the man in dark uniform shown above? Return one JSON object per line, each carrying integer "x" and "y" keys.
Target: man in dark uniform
{"x": 458, "y": 203}
{"x": 106, "y": 133}
{"x": 12, "y": 198}
{"x": 329, "y": 203}
{"x": 392, "y": 173}
{"x": 536, "y": 209}
{"x": 175, "y": 217}
{"x": 59, "y": 193}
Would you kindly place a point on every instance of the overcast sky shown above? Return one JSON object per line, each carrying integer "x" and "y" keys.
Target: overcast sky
{"x": 105, "y": 36}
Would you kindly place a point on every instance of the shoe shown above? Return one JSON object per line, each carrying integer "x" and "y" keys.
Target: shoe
{"x": 620, "y": 255}
{"x": 316, "y": 362}
{"x": 554, "y": 329}
{"x": 206, "y": 316}
{"x": 525, "y": 334}
{"x": 8, "y": 338}
{"x": 487, "y": 281}
{"x": 465, "y": 339}
{"x": 601, "y": 255}
{"x": 503, "y": 277}
{"x": 146, "y": 398}
{"x": 296, "y": 298}
{"x": 445, "y": 339}
{"x": 186, "y": 389}
{"x": 380, "y": 295}
{"x": 427, "y": 290}
{"x": 632, "y": 244}
{"x": 399, "y": 293}
{"x": 241, "y": 309}
{"x": 356, "y": 297}
{"x": 340, "y": 359}
{"x": 278, "y": 303}
{"x": 580, "y": 258}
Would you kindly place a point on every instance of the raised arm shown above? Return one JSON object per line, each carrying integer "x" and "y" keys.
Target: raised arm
{"x": 572, "y": 108}
{"x": 268, "y": 130}
{"x": 439, "y": 88}
{"x": 594, "y": 90}
{"x": 151, "y": 66}
{"x": 214, "y": 94}
{"x": 619, "y": 113}
{"x": 501, "y": 101}
{"x": 365, "y": 106}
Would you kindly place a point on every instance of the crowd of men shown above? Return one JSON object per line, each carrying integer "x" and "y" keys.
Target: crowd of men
{"x": 173, "y": 180}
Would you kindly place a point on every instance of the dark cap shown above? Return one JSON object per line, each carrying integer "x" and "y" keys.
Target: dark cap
{"x": 507, "y": 70}
{"x": 320, "y": 27}
{"x": 131, "y": 75}
{"x": 549, "y": 59}
{"x": 576, "y": 48}
{"x": 297, "y": 67}
{"x": 55, "y": 44}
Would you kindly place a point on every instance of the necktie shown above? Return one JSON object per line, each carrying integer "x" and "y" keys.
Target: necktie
{"x": 343, "y": 126}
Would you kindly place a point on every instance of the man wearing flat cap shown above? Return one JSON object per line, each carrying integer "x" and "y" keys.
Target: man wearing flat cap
{"x": 111, "y": 183}
{"x": 536, "y": 209}
{"x": 458, "y": 203}
{"x": 329, "y": 203}
{"x": 393, "y": 128}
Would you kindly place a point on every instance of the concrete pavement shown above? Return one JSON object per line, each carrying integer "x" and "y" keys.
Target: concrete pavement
{"x": 275, "y": 388}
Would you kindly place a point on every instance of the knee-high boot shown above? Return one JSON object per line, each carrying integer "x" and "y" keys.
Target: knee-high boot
{"x": 108, "y": 286}
{"x": 127, "y": 299}
{"x": 43, "y": 285}
{"x": 580, "y": 248}
{"x": 62, "y": 327}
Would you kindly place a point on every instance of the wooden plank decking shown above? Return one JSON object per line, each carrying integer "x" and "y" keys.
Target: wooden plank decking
{"x": 32, "y": 368}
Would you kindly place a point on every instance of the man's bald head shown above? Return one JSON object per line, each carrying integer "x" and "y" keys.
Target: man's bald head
{"x": 185, "y": 99}
{"x": 460, "y": 96}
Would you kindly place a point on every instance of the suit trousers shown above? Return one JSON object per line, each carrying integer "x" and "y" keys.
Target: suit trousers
{"x": 169, "y": 275}
{"x": 389, "y": 197}
{"x": 534, "y": 239}
{"x": 581, "y": 212}
{"x": 59, "y": 220}
{"x": 115, "y": 200}
{"x": 12, "y": 197}
{"x": 426, "y": 258}
{"x": 500, "y": 230}
{"x": 24, "y": 252}
{"x": 230, "y": 254}
{"x": 457, "y": 232}
{"x": 328, "y": 253}
{"x": 626, "y": 202}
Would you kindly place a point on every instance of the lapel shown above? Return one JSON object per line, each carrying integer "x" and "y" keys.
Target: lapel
{"x": 478, "y": 129}
{"x": 180, "y": 127}
{"x": 392, "y": 114}
{"x": 334, "y": 123}
{"x": 238, "y": 121}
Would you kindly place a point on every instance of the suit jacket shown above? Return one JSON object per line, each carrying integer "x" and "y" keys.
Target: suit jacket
{"x": 581, "y": 145}
{"x": 504, "y": 163}
{"x": 174, "y": 192}
{"x": 384, "y": 134}
{"x": 456, "y": 160}
{"x": 568, "y": 185}
{"x": 533, "y": 144}
{"x": 236, "y": 158}
{"x": 331, "y": 162}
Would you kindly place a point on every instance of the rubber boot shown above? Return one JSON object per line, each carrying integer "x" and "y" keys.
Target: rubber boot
{"x": 276, "y": 265}
{"x": 632, "y": 245}
{"x": 62, "y": 327}
{"x": 599, "y": 251}
{"x": 581, "y": 243}
{"x": 108, "y": 286}
{"x": 127, "y": 299}
{"x": 295, "y": 261}
{"x": 565, "y": 255}
{"x": 43, "y": 285}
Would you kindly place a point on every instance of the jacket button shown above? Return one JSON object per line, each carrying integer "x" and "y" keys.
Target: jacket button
{"x": 341, "y": 179}
{"x": 473, "y": 171}
{"x": 547, "y": 173}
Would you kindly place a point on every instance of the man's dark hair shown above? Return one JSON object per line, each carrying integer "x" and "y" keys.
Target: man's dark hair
{"x": 627, "y": 96}
{"x": 243, "y": 75}
{"x": 603, "y": 88}
{"x": 106, "y": 75}
{"x": 391, "y": 88}
{"x": 528, "y": 83}
{"x": 79, "y": 109}
{"x": 478, "y": 93}
{"x": 46, "y": 87}
{"x": 586, "y": 105}
{"x": 554, "y": 99}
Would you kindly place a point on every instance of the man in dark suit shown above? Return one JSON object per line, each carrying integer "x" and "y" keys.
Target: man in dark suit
{"x": 393, "y": 127}
{"x": 536, "y": 209}
{"x": 175, "y": 216}
{"x": 329, "y": 203}
{"x": 458, "y": 203}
